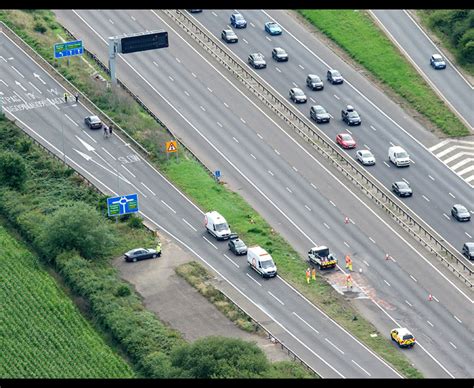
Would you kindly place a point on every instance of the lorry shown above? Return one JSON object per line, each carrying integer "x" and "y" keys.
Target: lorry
{"x": 398, "y": 156}
{"x": 261, "y": 261}
{"x": 216, "y": 225}
{"x": 322, "y": 257}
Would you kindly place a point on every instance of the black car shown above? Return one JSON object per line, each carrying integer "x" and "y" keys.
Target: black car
{"x": 402, "y": 189}
{"x": 314, "y": 82}
{"x": 334, "y": 77}
{"x": 468, "y": 250}
{"x": 229, "y": 36}
{"x": 350, "y": 116}
{"x": 279, "y": 55}
{"x": 257, "y": 61}
{"x": 460, "y": 213}
{"x": 297, "y": 95}
{"x": 236, "y": 245}
{"x": 141, "y": 254}
{"x": 93, "y": 122}
{"x": 319, "y": 114}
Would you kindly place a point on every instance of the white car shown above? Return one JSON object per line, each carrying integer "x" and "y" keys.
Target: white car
{"x": 365, "y": 157}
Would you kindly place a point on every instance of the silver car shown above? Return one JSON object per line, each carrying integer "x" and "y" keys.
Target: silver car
{"x": 257, "y": 61}
{"x": 297, "y": 95}
{"x": 229, "y": 36}
{"x": 365, "y": 157}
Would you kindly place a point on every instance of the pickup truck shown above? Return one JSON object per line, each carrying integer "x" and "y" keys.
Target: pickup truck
{"x": 322, "y": 257}
{"x": 350, "y": 116}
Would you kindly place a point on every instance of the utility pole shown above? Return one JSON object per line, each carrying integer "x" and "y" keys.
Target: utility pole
{"x": 113, "y": 43}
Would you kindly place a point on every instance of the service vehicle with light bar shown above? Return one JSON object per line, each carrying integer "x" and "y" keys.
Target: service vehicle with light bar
{"x": 322, "y": 257}
{"x": 403, "y": 337}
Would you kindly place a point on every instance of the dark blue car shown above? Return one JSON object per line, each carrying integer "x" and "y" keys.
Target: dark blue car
{"x": 238, "y": 21}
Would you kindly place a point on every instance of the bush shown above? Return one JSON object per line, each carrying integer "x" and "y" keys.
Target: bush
{"x": 40, "y": 28}
{"x": 134, "y": 222}
{"x": 12, "y": 169}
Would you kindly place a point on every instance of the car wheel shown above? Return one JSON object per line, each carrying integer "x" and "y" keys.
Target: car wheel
{"x": 134, "y": 259}
{"x": 154, "y": 256}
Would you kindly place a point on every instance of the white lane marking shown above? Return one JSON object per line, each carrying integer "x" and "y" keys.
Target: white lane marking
{"x": 245, "y": 41}
{"x": 277, "y": 69}
{"x": 253, "y": 156}
{"x": 457, "y": 319}
{"x": 171, "y": 78}
{"x": 468, "y": 235}
{"x": 126, "y": 169}
{"x": 454, "y": 346}
{"x": 241, "y": 119}
{"x": 429, "y": 176}
{"x": 314, "y": 186}
{"x": 156, "y": 64}
{"x": 387, "y": 282}
{"x": 306, "y": 323}
{"x": 235, "y": 139}
{"x": 294, "y": 168}
{"x": 253, "y": 279}
{"x": 214, "y": 13}
{"x": 202, "y": 108}
{"x": 177, "y": 60}
{"x": 133, "y": 18}
{"x": 219, "y": 124}
{"x": 289, "y": 190}
{"x": 187, "y": 223}
{"x": 332, "y": 203}
{"x": 208, "y": 88}
{"x": 253, "y": 25}
{"x": 371, "y": 239}
{"x": 225, "y": 104}
{"x": 307, "y": 207}
{"x": 277, "y": 152}
{"x": 393, "y": 145}
{"x": 194, "y": 75}
{"x": 366, "y": 146}
{"x": 260, "y": 136}
{"x": 89, "y": 136}
{"x": 408, "y": 303}
{"x": 413, "y": 278}
{"x": 436, "y": 299}
{"x": 429, "y": 323}
{"x": 71, "y": 120}
{"x": 3, "y": 82}
{"x": 209, "y": 242}
{"x": 271, "y": 173}
{"x": 336, "y": 97}
{"x": 405, "y": 181}
{"x": 146, "y": 187}
{"x": 168, "y": 206}
{"x": 312, "y": 99}
{"x": 365, "y": 262}
{"x": 3, "y": 59}
{"x": 352, "y": 221}
{"x": 386, "y": 163}
{"x": 107, "y": 152}
{"x": 276, "y": 298}
{"x": 444, "y": 214}
{"x": 427, "y": 199}
{"x": 111, "y": 21}
{"x": 268, "y": 38}
{"x": 346, "y": 244}
{"x": 439, "y": 145}
{"x": 373, "y": 128}
{"x": 326, "y": 225}
{"x": 368, "y": 374}
{"x": 232, "y": 261}
{"x": 301, "y": 67}
{"x": 452, "y": 195}
{"x": 14, "y": 68}
{"x": 330, "y": 115}
{"x": 295, "y": 84}
{"x": 334, "y": 345}
{"x": 39, "y": 91}
{"x": 347, "y": 130}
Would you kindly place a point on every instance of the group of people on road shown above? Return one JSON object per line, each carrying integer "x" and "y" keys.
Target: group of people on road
{"x": 107, "y": 130}
{"x": 310, "y": 274}
{"x": 76, "y": 96}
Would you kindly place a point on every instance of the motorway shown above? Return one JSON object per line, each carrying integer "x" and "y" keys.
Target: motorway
{"x": 418, "y": 48}
{"x": 436, "y": 188}
{"x": 271, "y": 171}
{"x": 36, "y": 103}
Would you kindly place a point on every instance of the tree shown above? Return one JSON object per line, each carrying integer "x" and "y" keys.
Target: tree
{"x": 76, "y": 226}
{"x": 219, "y": 357}
{"x": 12, "y": 169}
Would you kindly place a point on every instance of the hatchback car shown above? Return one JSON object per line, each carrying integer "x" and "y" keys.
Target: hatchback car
{"x": 402, "y": 337}
{"x": 350, "y": 116}
{"x": 93, "y": 122}
{"x": 273, "y": 28}
{"x": 297, "y": 95}
{"x": 460, "y": 213}
{"x": 279, "y": 55}
{"x": 314, "y": 82}
{"x": 236, "y": 245}
{"x": 334, "y": 77}
{"x": 319, "y": 114}
{"x": 402, "y": 189}
{"x": 257, "y": 61}
{"x": 237, "y": 20}
{"x": 468, "y": 250}
{"x": 345, "y": 141}
{"x": 437, "y": 62}
{"x": 229, "y": 36}
{"x": 141, "y": 254}
{"x": 365, "y": 157}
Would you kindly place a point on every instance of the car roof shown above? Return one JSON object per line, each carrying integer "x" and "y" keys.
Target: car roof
{"x": 367, "y": 152}
{"x": 279, "y": 49}
{"x": 313, "y": 76}
{"x": 136, "y": 249}
{"x": 333, "y": 71}
{"x": 437, "y": 56}
{"x": 345, "y": 136}
{"x": 297, "y": 90}
{"x": 402, "y": 331}
{"x": 469, "y": 244}
{"x": 271, "y": 23}
{"x": 401, "y": 183}
{"x": 93, "y": 117}
{"x": 318, "y": 107}
{"x": 460, "y": 207}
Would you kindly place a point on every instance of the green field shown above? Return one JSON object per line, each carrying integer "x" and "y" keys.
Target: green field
{"x": 357, "y": 34}
{"x": 42, "y": 333}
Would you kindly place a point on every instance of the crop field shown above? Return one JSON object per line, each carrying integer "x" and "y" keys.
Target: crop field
{"x": 42, "y": 334}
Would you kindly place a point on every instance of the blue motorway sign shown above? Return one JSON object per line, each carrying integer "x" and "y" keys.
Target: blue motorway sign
{"x": 68, "y": 49}
{"x": 125, "y": 204}
{"x": 217, "y": 173}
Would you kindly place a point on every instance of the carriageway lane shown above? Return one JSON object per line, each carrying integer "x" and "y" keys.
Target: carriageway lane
{"x": 111, "y": 160}
{"x": 162, "y": 79}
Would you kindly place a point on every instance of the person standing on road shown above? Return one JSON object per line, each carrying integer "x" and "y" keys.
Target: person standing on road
{"x": 308, "y": 275}
{"x": 158, "y": 248}
{"x": 65, "y": 97}
{"x": 110, "y": 130}
{"x": 106, "y": 131}
{"x": 77, "y": 97}
{"x": 313, "y": 274}
{"x": 348, "y": 263}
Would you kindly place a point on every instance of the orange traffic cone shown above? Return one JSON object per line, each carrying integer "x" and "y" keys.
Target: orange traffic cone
{"x": 430, "y": 297}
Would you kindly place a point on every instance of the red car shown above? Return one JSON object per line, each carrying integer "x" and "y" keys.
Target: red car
{"x": 345, "y": 140}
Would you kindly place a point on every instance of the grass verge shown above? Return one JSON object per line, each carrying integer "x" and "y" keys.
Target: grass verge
{"x": 198, "y": 185}
{"x": 357, "y": 34}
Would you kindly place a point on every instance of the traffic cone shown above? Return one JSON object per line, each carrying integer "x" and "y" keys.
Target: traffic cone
{"x": 346, "y": 220}
{"x": 430, "y": 297}
{"x": 387, "y": 257}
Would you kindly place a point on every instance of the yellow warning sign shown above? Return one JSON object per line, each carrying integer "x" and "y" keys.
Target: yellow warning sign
{"x": 171, "y": 146}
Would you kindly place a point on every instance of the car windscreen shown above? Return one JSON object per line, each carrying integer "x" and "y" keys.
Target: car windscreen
{"x": 366, "y": 154}
{"x": 353, "y": 114}
{"x": 407, "y": 337}
{"x": 401, "y": 155}
{"x": 267, "y": 264}
{"x": 320, "y": 110}
{"x": 346, "y": 137}
{"x": 239, "y": 17}
{"x": 298, "y": 92}
{"x": 239, "y": 244}
{"x": 402, "y": 185}
{"x": 221, "y": 227}
{"x": 335, "y": 73}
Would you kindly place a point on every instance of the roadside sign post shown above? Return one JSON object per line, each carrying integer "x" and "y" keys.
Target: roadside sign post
{"x": 217, "y": 175}
{"x": 171, "y": 146}
{"x": 124, "y": 204}
{"x": 68, "y": 49}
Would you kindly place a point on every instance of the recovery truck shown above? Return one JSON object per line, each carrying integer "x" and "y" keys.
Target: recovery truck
{"x": 322, "y": 257}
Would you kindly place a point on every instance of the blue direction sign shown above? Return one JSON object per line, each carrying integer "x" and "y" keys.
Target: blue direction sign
{"x": 217, "y": 173}
{"x": 68, "y": 49}
{"x": 125, "y": 204}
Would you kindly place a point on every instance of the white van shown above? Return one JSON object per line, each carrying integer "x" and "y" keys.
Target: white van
{"x": 261, "y": 261}
{"x": 217, "y": 225}
{"x": 398, "y": 156}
